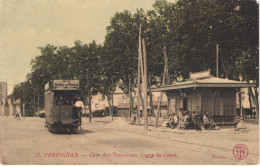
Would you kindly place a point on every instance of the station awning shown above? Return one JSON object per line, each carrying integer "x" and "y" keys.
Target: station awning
{"x": 212, "y": 82}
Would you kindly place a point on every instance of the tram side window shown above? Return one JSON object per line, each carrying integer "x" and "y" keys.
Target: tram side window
{"x": 65, "y": 98}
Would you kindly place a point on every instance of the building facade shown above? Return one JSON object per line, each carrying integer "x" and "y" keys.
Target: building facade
{"x": 3, "y": 90}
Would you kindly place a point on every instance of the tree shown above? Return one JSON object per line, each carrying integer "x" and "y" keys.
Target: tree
{"x": 109, "y": 77}
{"x": 86, "y": 68}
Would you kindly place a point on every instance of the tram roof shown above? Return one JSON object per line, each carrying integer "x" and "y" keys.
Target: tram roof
{"x": 62, "y": 85}
{"x": 61, "y": 89}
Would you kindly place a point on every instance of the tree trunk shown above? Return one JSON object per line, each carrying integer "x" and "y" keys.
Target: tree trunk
{"x": 249, "y": 98}
{"x": 240, "y": 104}
{"x": 151, "y": 97}
{"x": 256, "y": 105}
{"x": 109, "y": 105}
{"x": 165, "y": 77}
{"x": 89, "y": 107}
{"x": 225, "y": 70}
{"x": 129, "y": 95}
{"x": 112, "y": 105}
{"x": 255, "y": 99}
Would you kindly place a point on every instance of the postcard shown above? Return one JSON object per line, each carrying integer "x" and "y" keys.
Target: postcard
{"x": 129, "y": 82}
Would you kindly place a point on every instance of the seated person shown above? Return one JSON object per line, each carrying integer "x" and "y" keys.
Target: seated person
{"x": 189, "y": 123}
{"x": 173, "y": 121}
{"x": 208, "y": 122}
{"x": 175, "y": 118}
{"x": 183, "y": 118}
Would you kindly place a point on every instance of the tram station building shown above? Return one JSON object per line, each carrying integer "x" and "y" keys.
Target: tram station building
{"x": 217, "y": 96}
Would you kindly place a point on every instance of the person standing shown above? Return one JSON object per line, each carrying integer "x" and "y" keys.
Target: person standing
{"x": 78, "y": 108}
{"x": 17, "y": 115}
{"x": 198, "y": 118}
{"x": 181, "y": 117}
{"x": 134, "y": 118}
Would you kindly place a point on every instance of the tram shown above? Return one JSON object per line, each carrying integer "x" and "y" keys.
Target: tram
{"x": 59, "y": 98}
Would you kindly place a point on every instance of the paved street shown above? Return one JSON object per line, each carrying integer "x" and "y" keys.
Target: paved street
{"x": 105, "y": 142}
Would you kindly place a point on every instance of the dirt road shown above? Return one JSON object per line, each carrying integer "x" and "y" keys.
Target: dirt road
{"x": 105, "y": 142}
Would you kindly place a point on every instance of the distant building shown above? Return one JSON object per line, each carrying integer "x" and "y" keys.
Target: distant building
{"x": 7, "y": 106}
{"x": 3, "y": 90}
{"x": 121, "y": 101}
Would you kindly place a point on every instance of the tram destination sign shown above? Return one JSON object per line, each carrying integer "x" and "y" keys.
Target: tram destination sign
{"x": 66, "y": 83}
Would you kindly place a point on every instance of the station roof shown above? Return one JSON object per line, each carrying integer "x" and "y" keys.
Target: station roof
{"x": 155, "y": 103}
{"x": 212, "y": 82}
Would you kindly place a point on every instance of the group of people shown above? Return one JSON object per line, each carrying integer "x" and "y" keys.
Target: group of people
{"x": 191, "y": 120}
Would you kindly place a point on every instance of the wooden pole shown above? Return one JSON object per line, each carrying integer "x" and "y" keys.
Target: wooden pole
{"x": 145, "y": 88}
{"x": 138, "y": 92}
{"x": 217, "y": 62}
{"x": 240, "y": 104}
{"x": 142, "y": 75}
{"x": 138, "y": 77}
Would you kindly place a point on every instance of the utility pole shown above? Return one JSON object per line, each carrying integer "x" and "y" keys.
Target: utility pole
{"x": 144, "y": 79}
{"x": 217, "y": 62}
{"x": 138, "y": 77}
{"x": 138, "y": 92}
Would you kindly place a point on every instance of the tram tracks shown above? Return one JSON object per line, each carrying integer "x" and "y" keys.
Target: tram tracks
{"x": 188, "y": 143}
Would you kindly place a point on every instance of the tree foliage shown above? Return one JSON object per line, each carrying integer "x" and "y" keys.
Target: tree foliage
{"x": 190, "y": 31}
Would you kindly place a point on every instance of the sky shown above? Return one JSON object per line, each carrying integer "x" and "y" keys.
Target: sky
{"x": 27, "y": 24}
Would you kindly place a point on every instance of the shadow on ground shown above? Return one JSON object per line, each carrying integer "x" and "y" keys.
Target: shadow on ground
{"x": 78, "y": 132}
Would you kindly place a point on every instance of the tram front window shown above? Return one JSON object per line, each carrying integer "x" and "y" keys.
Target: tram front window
{"x": 65, "y": 97}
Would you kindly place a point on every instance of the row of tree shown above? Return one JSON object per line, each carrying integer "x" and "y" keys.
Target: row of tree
{"x": 188, "y": 30}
